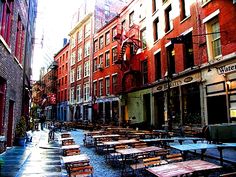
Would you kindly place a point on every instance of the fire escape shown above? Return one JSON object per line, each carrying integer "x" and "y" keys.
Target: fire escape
{"x": 128, "y": 45}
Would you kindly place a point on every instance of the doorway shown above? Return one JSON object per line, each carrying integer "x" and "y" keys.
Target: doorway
{"x": 217, "y": 109}
{"x": 159, "y": 107}
{"x": 10, "y": 123}
{"x": 147, "y": 109}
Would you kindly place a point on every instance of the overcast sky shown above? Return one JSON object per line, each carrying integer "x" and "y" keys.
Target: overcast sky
{"x": 52, "y": 25}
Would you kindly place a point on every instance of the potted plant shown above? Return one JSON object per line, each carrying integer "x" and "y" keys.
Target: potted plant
{"x": 20, "y": 131}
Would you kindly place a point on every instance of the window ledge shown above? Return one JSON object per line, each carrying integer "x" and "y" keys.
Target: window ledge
{"x": 5, "y": 44}
{"x": 154, "y": 12}
{"x": 18, "y": 62}
{"x": 142, "y": 19}
{"x": 204, "y": 4}
{"x": 169, "y": 31}
{"x": 156, "y": 41}
{"x": 185, "y": 19}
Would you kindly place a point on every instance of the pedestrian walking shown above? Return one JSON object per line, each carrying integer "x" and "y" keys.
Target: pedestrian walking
{"x": 42, "y": 121}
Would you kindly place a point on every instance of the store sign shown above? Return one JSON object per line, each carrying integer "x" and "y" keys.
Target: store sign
{"x": 227, "y": 69}
{"x": 177, "y": 82}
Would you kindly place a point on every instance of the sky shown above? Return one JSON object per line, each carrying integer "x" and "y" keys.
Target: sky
{"x": 53, "y": 24}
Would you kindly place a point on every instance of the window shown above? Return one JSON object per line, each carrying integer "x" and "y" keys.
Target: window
{"x": 65, "y": 80}
{"x": 100, "y": 87}
{"x": 188, "y": 51}
{"x": 86, "y": 91}
{"x": 184, "y": 8}
{"x": 87, "y": 29}
{"x": 107, "y": 59}
{"x": 155, "y": 29}
{"x": 154, "y": 6}
{"x": 72, "y": 76}
{"x": 131, "y": 18}
{"x": 100, "y": 59}
{"x": 72, "y": 58}
{"x": 101, "y": 42}
{"x": 114, "y": 54}
{"x": 158, "y": 65}
{"x": 142, "y": 12}
{"x": 171, "y": 59}
{"x": 87, "y": 49}
{"x": 86, "y": 68}
{"x": 94, "y": 64}
{"x": 6, "y": 19}
{"x": 123, "y": 25}
{"x": 95, "y": 88}
{"x": 168, "y": 19}
{"x": 78, "y": 93}
{"x": 72, "y": 42}
{"x": 72, "y": 96}
{"x": 20, "y": 35}
{"x": 80, "y": 36}
{"x": 144, "y": 71}
{"x": 107, "y": 36}
{"x": 79, "y": 54}
{"x": 107, "y": 82}
{"x": 213, "y": 40}
{"x": 79, "y": 72}
{"x": 96, "y": 45}
{"x": 143, "y": 38}
{"x": 2, "y": 102}
{"x": 114, "y": 33}
{"x": 65, "y": 92}
{"x": 114, "y": 83}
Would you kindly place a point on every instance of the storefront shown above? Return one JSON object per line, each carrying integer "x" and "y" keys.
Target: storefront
{"x": 108, "y": 110}
{"x": 221, "y": 93}
{"x": 181, "y": 97}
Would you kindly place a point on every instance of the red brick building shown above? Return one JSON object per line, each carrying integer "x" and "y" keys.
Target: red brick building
{"x": 106, "y": 75}
{"x": 176, "y": 78}
{"x": 62, "y": 83}
{"x": 91, "y": 17}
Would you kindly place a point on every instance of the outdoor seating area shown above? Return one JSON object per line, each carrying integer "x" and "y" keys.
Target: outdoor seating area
{"x": 140, "y": 154}
{"x": 76, "y": 164}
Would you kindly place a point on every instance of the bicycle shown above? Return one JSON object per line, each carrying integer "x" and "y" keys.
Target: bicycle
{"x": 51, "y": 133}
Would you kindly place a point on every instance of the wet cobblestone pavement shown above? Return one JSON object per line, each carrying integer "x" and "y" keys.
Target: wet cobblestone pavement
{"x": 101, "y": 168}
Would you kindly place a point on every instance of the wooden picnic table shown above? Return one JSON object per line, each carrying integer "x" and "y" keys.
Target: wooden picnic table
{"x": 67, "y": 141}
{"x": 184, "y": 148}
{"x": 75, "y": 163}
{"x": 172, "y": 139}
{"x": 182, "y": 168}
{"x": 71, "y": 149}
{"x": 75, "y": 159}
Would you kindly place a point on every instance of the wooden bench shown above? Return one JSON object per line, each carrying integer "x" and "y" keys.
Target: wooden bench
{"x": 69, "y": 152}
{"x": 140, "y": 145}
{"x": 80, "y": 171}
{"x": 233, "y": 174}
{"x": 148, "y": 162}
{"x": 174, "y": 157}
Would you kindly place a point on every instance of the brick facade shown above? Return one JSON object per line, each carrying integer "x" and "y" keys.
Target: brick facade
{"x": 11, "y": 72}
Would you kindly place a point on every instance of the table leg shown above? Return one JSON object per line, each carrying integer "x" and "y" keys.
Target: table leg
{"x": 221, "y": 155}
{"x": 202, "y": 154}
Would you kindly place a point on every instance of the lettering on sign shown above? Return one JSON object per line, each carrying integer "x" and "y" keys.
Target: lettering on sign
{"x": 227, "y": 68}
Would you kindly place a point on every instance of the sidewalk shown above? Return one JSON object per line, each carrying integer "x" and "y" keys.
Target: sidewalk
{"x": 37, "y": 158}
